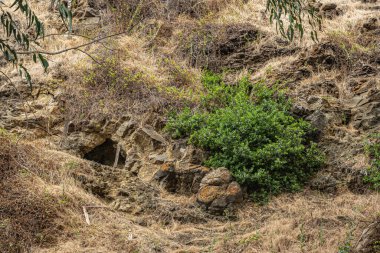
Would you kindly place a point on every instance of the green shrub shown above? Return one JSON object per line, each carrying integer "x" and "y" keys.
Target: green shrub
{"x": 373, "y": 173}
{"x": 248, "y": 129}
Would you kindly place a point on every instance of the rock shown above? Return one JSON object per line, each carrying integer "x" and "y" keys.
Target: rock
{"x": 185, "y": 179}
{"x": 164, "y": 171}
{"x": 318, "y": 120}
{"x": 315, "y": 102}
{"x": 218, "y": 205}
{"x": 207, "y": 194}
{"x": 234, "y": 193}
{"x": 371, "y": 24}
{"x": 217, "y": 177}
{"x": 300, "y": 110}
{"x": 136, "y": 167}
{"x": 218, "y": 191}
{"x": 369, "y": 241}
{"x": 366, "y": 110}
{"x": 329, "y": 6}
{"x": 324, "y": 183}
{"x": 147, "y": 138}
{"x": 153, "y": 134}
{"x": 356, "y": 182}
{"x": 158, "y": 159}
{"x": 126, "y": 128}
{"x": 188, "y": 154}
{"x": 330, "y": 10}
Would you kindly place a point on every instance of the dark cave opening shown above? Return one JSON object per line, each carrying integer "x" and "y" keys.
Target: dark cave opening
{"x": 105, "y": 154}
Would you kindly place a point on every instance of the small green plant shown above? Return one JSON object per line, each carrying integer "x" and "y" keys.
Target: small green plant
{"x": 321, "y": 236}
{"x": 253, "y": 238}
{"x": 302, "y": 238}
{"x": 71, "y": 165}
{"x": 347, "y": 245}
{"x": 373, "y": 172}
{"x": 248, "y": 129}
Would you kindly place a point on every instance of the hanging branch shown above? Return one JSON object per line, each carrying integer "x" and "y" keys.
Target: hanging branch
{"x": 294, "y": 11}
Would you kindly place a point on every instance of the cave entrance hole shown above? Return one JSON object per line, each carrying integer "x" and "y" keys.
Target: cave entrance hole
{"x": 108, "y": 153}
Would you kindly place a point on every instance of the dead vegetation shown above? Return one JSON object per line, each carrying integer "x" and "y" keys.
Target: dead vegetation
{"x": 28, "y": 216}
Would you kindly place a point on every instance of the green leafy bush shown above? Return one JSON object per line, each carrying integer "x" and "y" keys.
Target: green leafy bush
{"x": 248, "y": 129}
{"x": 373, "y": 150}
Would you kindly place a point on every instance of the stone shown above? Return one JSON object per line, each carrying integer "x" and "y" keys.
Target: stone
{"x": 356, "y": 183}
{"x": 218, "y": 191}
{"x": 153, "y": 134}
{"x": 183, "y": 179}
{"x": 300, "y": 110}
{"x": 158, "y": 159}
{"x": 220, "y": 176}
{"x": 188, "y": 153}
{"x": 164, "y": 171}
{"x": 218, "y": 205}
{"x": 126, "y": 128}
{"x": 324, "y": 183}
{"x": 329, "y": 6}
{"x": 234, "y": 193}
{"x": 366, "y": 111}
{"x": 147, "y": 139}
{"x": 207, "y": 194}
{"x": 318, "y": 119}
{"x": 136, "y": 167}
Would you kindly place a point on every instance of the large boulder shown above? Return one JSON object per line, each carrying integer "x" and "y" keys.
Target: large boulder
{"x": 218, "y": 191}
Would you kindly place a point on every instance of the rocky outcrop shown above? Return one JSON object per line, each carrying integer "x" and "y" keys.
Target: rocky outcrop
{"x": 215, "y": 190}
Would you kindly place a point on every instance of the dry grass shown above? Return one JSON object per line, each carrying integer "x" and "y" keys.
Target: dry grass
{"x": 29, "y": 211}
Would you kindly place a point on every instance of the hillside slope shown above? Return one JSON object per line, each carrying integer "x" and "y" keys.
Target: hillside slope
{"x": 61, "y": 189}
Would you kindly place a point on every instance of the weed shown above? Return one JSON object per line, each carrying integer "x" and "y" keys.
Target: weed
{"x": 373, "y": 172}
{"x": 71, "y": 165}
{"x": 347, "y": 245}
{"x": 253, "y": 238}
{"x": 302, "y": 238}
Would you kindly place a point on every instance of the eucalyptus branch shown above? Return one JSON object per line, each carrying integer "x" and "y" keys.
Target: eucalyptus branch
{"x": 71, "y": 48}
{"x": 75, "y": 35}
{"x": 90, "y": 56}
{"x": 294, "y": 11}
